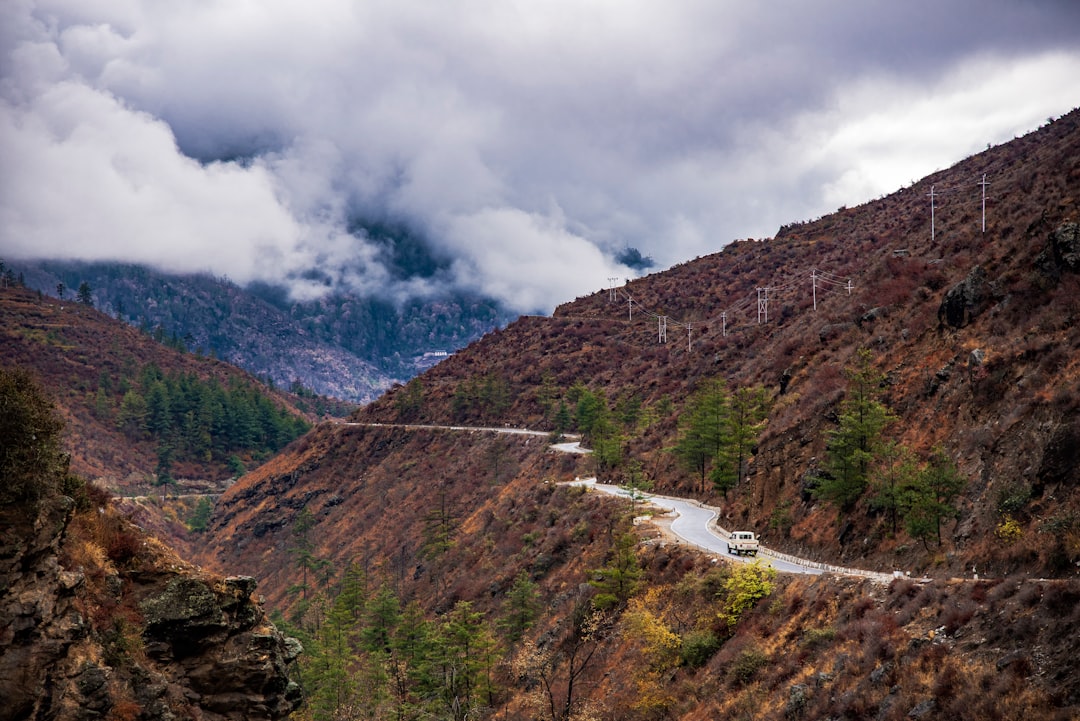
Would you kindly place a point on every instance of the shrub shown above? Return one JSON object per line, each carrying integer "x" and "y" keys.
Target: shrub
{"x": 747, "y": 584}
{"x": 698, "y": 647}
{"x": 746, "y": 665}
{"x": 816, "y": 637}
{"x": 1009, "y": 530}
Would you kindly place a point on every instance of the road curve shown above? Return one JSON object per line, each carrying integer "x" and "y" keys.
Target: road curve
{"x": 695, "y": 523}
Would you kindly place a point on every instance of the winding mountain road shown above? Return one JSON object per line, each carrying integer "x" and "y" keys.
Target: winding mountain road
{"x": 694, "y": 524}
{"x": 694, "y": 521}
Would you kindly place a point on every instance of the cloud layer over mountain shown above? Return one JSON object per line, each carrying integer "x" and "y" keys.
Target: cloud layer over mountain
{"x": 526, "y": 144}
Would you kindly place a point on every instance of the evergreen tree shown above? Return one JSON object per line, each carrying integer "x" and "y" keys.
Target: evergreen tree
{"x": 303, "y": 548}
{"x": 748, "y": 407}
{"x": 562, "y": 421}
{"x": 382, "y": 616}
{"x": 855, "y": 445}
{"x": 32, "y": 464}
{"x": 928, "y": 498}
{"x": 703, "y": 429}
{"x": 897, "y": 473}
{"x": 618, "y": 580}
{"x": 158, "y": 414}
{"x": 84, "y": 295}
{"x": 521, "y": 607}
{"x": 464, "y": 656}
{"x": 131, "y": 418}
{"x": 200, "y": 518}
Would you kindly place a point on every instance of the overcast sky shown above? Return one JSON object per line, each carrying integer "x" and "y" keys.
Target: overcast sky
{"x": 528, "y": 142}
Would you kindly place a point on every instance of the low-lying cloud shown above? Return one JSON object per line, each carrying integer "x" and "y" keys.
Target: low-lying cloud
{"x": 528, "y": 144}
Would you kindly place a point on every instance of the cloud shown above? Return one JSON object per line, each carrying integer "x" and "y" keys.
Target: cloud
{"x": 527, "y": 143}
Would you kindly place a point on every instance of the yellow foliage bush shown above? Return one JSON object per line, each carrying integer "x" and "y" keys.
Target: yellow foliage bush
{"x": 1009, "y": 530}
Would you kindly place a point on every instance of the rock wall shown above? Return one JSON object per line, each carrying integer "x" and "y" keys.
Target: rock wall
{"x": 151, "y": 638}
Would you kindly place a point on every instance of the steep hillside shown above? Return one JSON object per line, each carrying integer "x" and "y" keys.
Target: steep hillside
{"x": 91, "y": 363}
{"x": 973, "y": 334}
{"x": 341, "y": 345}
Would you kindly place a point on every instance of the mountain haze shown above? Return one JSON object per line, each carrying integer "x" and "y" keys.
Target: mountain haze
{"x": 345, "y": 346}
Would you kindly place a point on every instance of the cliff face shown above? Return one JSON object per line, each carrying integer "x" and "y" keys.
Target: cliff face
{"x": 99, "y": 621}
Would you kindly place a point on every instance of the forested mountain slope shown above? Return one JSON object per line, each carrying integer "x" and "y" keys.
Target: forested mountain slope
{"x": 960, "y": 343}
{"x": 142, "y": 418}
{"x": 345, "y": 346}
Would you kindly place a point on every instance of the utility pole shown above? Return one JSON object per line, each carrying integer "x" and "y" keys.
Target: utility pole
{"x": 762, "y": 305}
{"x": 984, "y": 184}
{"x": 849, "y": 286}
{"x": 932, "y": 234}
{"x": 723, "y": 321}
{"x": 813, "y": 282}
{"x": 689, "y": 347}
{"x": 662, "y": 333}
{"x": 630, "y": 305}
{"x": 612, "y": 293}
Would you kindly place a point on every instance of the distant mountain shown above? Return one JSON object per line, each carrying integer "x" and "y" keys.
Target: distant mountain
{"x": 343, "y": 346}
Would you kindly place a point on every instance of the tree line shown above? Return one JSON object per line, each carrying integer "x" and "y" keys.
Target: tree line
{"x": 191, "y": 419}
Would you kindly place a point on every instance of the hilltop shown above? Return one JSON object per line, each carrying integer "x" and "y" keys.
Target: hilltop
{"x": 972, "y": 334}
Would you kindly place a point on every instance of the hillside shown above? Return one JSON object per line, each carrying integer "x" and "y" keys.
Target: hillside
{"x": 143, "y": 419}
{"x": 974, "y": 332}
{"x": 342, "y": 345}
{"x": 973, "y": 335}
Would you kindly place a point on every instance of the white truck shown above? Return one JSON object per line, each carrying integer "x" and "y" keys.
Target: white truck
{"x": 742, "y": 542}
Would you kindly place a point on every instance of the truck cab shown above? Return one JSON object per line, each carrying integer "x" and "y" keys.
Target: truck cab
{"x": 742, "y": 542}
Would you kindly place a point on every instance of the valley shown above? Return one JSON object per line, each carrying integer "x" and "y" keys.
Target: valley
{"x": 434, "y": 558}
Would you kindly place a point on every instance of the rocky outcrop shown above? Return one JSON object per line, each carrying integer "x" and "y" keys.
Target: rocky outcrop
{"x": 1062, "y": 252}
{"x": 83, "y": 637}
{"x": 965, "y": 300}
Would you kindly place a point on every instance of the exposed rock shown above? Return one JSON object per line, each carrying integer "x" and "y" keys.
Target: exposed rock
{"x": 1062, "y": 253}
{"x": 922, "y": 709}
{"x": 871, "y": 315}
{"x": 198, "y": 646}
{"x": 965, "y": 300}
{"x": 1061, "y": 456}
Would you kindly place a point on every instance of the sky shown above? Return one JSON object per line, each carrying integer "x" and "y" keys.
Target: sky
{"x": 526, "y": 145}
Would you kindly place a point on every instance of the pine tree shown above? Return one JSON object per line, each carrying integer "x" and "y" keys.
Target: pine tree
{"x": 521, "y": 608}
{"x": 748, "y": 407}
{"x": 32, "y": 463}
{"x": 928, "y": 498}
{"x": 464, "y": 655}
{"x": 855, "y": 445}
{"x": 618, "y": 580}
{"x": 84, "y": 294}
{"x": 703, "y": 429}
{"x": 897, "y": 473}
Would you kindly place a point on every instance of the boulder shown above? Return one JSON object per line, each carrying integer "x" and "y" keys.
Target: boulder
{"x": 965, "y": 300}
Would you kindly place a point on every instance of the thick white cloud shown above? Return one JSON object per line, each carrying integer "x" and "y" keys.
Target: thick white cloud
{"x": 530, "y": 142}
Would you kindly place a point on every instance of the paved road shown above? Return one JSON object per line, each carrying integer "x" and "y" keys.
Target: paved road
{"x": 694, "y": 524}
{"x": 433, "y": 427}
